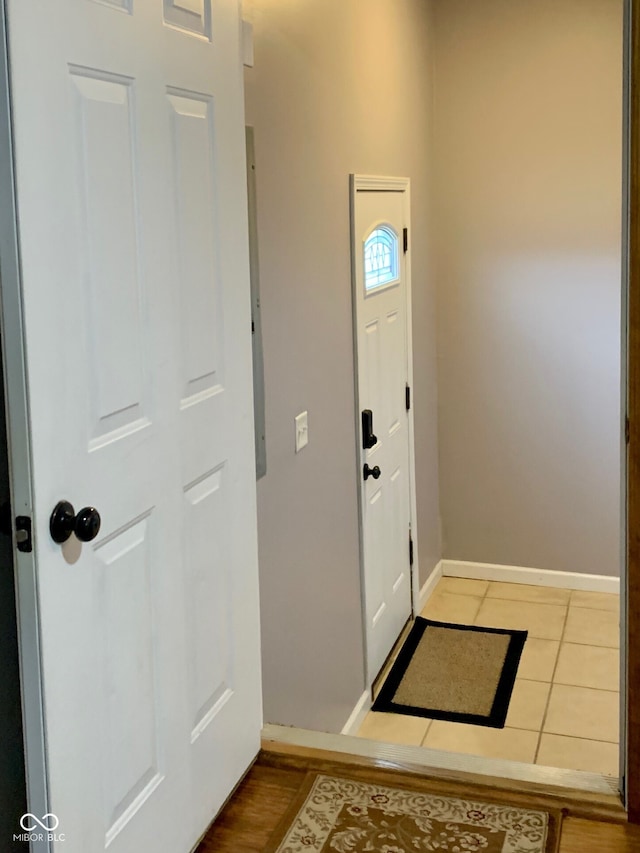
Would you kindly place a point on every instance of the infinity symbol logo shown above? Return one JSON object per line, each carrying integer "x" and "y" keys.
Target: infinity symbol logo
{"x": 49, "y": 822}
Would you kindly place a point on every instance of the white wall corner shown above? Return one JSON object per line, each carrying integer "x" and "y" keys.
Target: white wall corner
{"x": 532, "y": 577}
{"x": 363, "y": 706}
{"x": 427, "y": 590}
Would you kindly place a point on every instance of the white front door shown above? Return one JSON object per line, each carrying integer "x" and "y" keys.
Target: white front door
{"x": 381, "y": 321}
{"x": 131, "y": 191}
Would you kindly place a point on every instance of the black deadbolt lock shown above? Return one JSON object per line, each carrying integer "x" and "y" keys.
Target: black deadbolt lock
{"x": 369, "y": 440}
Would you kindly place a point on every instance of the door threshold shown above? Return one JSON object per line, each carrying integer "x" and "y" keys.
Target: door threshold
{"x": 581, "y": 793}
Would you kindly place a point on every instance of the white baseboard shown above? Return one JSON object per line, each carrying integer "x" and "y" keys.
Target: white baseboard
{"x": 533, "y": 577}
{"x": 428, "y": 588}
{"x": 358, "y": 714}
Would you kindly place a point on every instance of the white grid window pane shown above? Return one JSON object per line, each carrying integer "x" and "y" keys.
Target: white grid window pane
{"x": 380, "y": 258}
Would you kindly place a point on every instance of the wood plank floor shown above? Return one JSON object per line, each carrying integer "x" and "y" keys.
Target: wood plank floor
{"x": 269, "y": 788}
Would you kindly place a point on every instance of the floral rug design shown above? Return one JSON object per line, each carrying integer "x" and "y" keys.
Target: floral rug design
{"x": 349, "y": 816}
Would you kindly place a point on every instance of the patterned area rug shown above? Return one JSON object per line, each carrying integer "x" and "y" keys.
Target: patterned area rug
{"x": 335, "y": 815}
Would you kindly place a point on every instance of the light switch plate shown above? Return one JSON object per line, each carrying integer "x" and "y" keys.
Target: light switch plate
{"x": 302, "y": 431}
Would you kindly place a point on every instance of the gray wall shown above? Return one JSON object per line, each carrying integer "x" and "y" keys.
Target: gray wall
{"x": 527, "y": 204}
{"x": 338, "y": 87}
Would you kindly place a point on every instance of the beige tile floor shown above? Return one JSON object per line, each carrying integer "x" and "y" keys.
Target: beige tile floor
{"x": 565, "y": 705}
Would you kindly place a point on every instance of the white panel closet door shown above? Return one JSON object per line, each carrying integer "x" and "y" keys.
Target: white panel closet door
{"x": 130, "y": 171}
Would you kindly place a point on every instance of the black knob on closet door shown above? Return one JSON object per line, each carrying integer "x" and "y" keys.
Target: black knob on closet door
{"x": 87, "y": 524}
{"x": 371, "y": 472}
{"x": 64, "y": 522}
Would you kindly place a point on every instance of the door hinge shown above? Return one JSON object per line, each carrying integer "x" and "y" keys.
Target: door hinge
{"x": 410, "y": 549}
{"x": 405, "y": 240}
{"x": 626, "y": 430}
{"x": 407, "y": 396}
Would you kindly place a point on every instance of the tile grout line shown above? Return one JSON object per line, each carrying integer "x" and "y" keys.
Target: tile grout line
{"x": 553, "y": 675}
{"x": 579, "y": 687}
{"x": 485, "y": 597}
{"x": 534, "y": 601}
{"x": 582, "y": 739}
{"x": 425, "y": 734}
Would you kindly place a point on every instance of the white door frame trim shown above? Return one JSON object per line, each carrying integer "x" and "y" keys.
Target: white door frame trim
{"x": 15, "y": 383}
{"x": 373, "y": 183}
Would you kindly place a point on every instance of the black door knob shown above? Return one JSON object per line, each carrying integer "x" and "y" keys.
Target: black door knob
{"x": 371, "y": 472}
{"x": 64, "y": 522}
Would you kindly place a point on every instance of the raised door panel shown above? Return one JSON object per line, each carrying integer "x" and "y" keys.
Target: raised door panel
{"x": 395, "y": 370}
{"x": 398, "y": 580}
{"x": 120, "y": 5}
{"x": 371, "y": 395}
{"x": 126, "y": 592}
{"x": 209, "y": 614}
{"x": 376, "y": 593}
{"x": 193, "y": 129}
{"x": 191, "y": 16}
{"x": 374, "y": 545}
{"x": 110, "y": 258}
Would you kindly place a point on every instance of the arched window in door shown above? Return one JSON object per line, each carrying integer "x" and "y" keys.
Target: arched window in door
{"x": 380, "y": 258}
